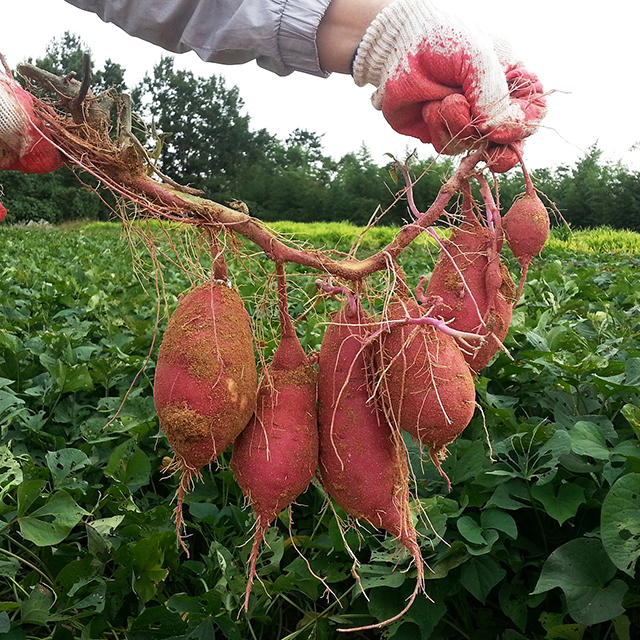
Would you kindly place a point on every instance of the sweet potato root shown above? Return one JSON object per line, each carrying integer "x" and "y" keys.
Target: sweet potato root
{"x": 206, "y": 379}
{"x": 275, "y": 458}
{"x": 363, "y": 463}
{"x": 426, "y": 384}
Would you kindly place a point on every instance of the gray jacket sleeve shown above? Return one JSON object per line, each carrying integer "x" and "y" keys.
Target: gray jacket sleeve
{"x": 279, "y": 34}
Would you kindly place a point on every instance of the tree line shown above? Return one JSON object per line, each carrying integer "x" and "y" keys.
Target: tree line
{"x": 204, "y": 139}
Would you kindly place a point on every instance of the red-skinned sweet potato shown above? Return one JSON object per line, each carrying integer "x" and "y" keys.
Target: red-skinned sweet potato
{"x": 461, "y": 282}
{"x": 497, "y": 323}
{"x": 425, "y": 381}
{"x": 363, "y": 463}
{"x": 275, "y": 458}
{"x": 526, "y": 228}
{"x": 469, "y": 286}
{"x": 206, "y": 379}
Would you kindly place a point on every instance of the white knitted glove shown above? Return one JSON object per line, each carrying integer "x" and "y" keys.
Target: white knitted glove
{"x": 445, "y": 82}
{"x": 23, "y": 146}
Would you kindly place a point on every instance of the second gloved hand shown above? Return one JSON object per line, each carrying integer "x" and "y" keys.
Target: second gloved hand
{"x": 24, "y": 146}
{"x": 447, "y": 83}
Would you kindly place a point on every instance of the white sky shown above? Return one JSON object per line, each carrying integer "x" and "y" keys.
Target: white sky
{"x": 585, "y": 53}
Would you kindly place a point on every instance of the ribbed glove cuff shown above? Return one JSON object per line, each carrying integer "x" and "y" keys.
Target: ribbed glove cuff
{"x": 395, "y": 30}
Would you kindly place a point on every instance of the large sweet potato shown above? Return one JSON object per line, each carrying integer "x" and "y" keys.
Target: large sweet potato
{"x": 206, "y": 379}
{"x": 363, "y": 464}
{"x": 426, "y": 384}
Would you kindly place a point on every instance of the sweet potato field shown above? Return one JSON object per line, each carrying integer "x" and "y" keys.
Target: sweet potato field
{"x": 538, "y": 536}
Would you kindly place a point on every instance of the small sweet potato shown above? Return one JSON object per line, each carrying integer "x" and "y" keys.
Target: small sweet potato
{"x": 526, "y": 228}
{"x": 275, "y": 458}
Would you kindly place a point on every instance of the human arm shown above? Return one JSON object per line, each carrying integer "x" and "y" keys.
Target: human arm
{"x": 279, "y": 34}
{"x": 341, "y": 30}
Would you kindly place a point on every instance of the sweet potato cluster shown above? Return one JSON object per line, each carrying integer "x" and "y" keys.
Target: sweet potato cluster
{"x": 340, "y": 416}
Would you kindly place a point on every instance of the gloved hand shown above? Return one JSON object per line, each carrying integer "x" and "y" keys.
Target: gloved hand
{"x": 23, "y": 145}
{"x": 447, "y": 83}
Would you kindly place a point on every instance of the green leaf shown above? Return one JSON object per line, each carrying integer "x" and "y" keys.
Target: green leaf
{"x": 64, "y": 463}
{"x": 76, "y": 574}
{"x": 95, "y": 601}
{"x": 77, "y": 378}
{"x": 159, "y": 622}
{"x": 480, "y": 575}
{"x": 183, "y": 603}
{"x": 566, "y": 632}
{"x": 510, "y": 495}
{"x": 582, "y": 570}
{"x": 53, "y": 522}
{"x": 9, "y": 567}
{"x": 148, "y": 569}
{"x": 481, "y": 540}
{"x": 8, "y": 399}
{"x": 468, "y": 462}
{"x": 620, "y": 522}
{"x": 5, "y": 622}
{"x": 562, "y": 506}
{"x": 500, "y": 521}
{"x": 451, "y": 558}
{"x": 35, "y": 610}
{"x": 622, "y": 626}
{"x": 380, "y": 576}
{"x": 28, "y": 493}
{"x": 104, "y": 526}
{"x": 10, "y": 472}
{"x": 587, "y": 439}
{"x": 632, "y": 414}
{"x": 513, "y": 601}
{"x": 537, "y": 341}
{"x": 470, "y": 530}
{"x": 130, "y": 465}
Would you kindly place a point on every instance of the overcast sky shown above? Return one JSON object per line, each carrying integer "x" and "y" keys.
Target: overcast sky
{"x": 584, "y": 55}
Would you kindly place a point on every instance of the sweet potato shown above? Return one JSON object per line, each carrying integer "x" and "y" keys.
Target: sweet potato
{"x": 526, "y": 227}
{"x": 426, "y": 384}
{"x": 497, "y": 323}
{"x": 459, "y": 279}
{"x": 275, "y": 458}
{"x": 206, "y": 379}
{"x": 468, "y": 286}
{"x": 363, "y": 463}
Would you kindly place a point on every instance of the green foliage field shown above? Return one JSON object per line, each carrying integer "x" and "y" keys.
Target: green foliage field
{"x": 538, "y": 538}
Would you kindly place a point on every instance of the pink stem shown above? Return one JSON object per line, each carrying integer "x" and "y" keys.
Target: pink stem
{"x": 336, "y": 291}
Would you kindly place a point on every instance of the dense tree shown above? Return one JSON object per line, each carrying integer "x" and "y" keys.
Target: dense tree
{"x": 64, "y": 55}
{"x": 208, "y": 140}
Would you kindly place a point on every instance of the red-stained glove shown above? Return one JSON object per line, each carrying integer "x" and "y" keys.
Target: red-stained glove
{"x": 23, "y": 145}
{"x": 447, "y": 83}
